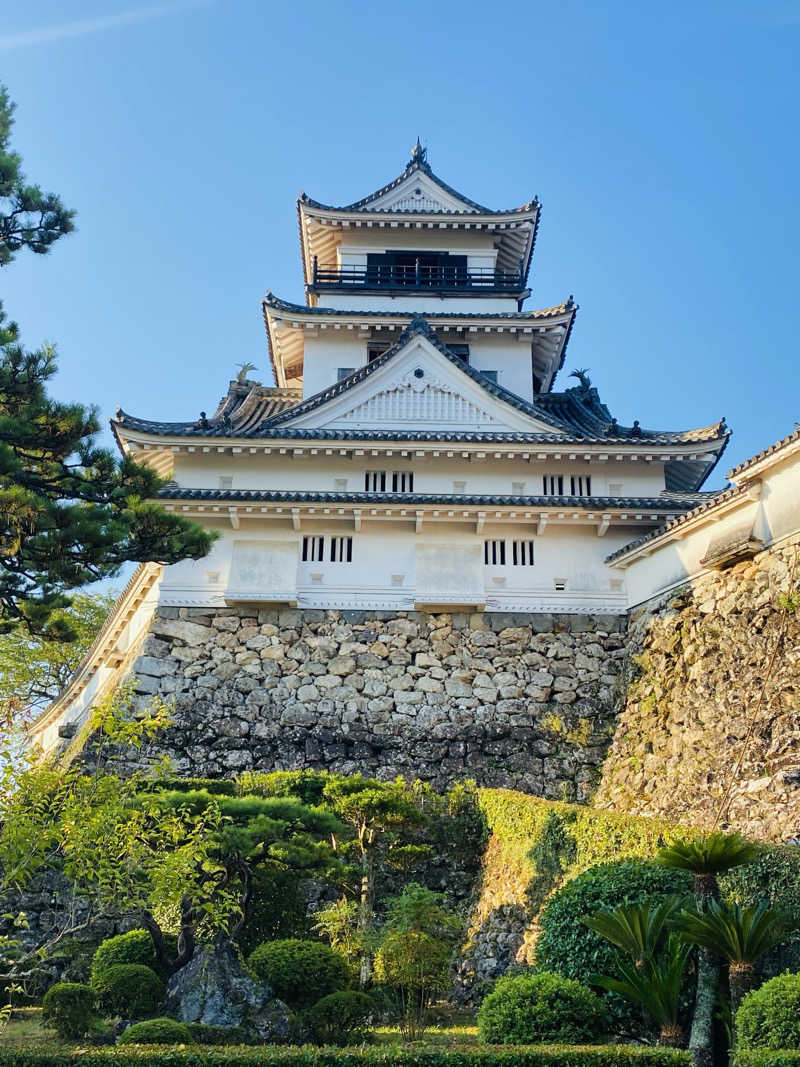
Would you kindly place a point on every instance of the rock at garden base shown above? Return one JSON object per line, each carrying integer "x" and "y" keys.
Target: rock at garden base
{"x": 215, "y": 988}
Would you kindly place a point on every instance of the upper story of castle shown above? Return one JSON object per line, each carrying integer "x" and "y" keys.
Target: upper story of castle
{"x": 416, "y": 246}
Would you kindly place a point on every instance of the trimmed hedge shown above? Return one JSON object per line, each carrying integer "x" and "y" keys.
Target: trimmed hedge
{"x": 769, "y": 1017}
{"x": 299, "y": 972}
{"x": 161, "y": 1031}
{"x": 129, "y": 989}
{"x": 381, "y": 1056}
{"x": 766, "y": 1057}
{"x": 540, "y": 1007}
{"x": 68, "y": 1008}
{"x": 207, "y": 1034}
{"x": 134, "y": 947}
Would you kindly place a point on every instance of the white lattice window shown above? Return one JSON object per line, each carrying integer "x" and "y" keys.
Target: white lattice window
{"x": 553, "y": 485}
{"x": 559, "y": 584}
{"x": 375, "y": 481}
{"x": 580, "y": 485}
{"x": 341, "y": 550}
{"x": 313, "y": 548}
{"x": 402, "y": 481}
{"x": 494, "y": 553}
{"x": 522, "y": 553}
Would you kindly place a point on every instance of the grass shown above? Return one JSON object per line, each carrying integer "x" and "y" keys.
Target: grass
{"x": 449, "y": 1035}
{"x": 26, "y": 1028}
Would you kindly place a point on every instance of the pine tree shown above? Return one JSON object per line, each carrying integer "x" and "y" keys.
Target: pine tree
{"x": 70, "y": 512}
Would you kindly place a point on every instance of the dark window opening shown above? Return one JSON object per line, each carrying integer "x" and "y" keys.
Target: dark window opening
{"x": 417, "y": 270}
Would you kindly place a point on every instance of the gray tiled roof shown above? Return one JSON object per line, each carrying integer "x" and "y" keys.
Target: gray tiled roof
{"x": 671, "y": 502}
{"x": 276, "y": 303}
{"x": 770, "y": 450}
{"x": 706, "y": 503}
{"x": 414, "y": 166}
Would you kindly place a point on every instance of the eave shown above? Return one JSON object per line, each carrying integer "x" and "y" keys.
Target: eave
{"x": 768, "y": 457}
{"x": 600, "y": 513}
{"x": 547, "y": 330}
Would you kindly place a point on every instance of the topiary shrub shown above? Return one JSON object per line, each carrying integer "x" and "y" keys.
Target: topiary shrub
{"x": 299, "y": 972}
{"x": 341, "y": 1018}
{"x": 68, "y": 1008}
{"x": 129, "y": 989}
{"x": 567, "y": 947}
{"x": 539, "y": 1008}
{"x": 205, "y": 1034}
{"x": 161, "y": 1031}
{"x": 769, "y": 1017}
{"x": 134, "y": 947}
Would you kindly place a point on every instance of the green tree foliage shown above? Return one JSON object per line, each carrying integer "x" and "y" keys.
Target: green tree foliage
{"x": 639, "y": 930}
{"x": 29, "y": 218}
{"x": 300, "y": 972}
{"x": 706, "y": 857}
{"x": 34, "y": 670}
{"x": 656, "y": 985}
{"x": 381, "y": 815}
{"x": 70, "y": 512}
{"x": 567, "y": 947}
{"x": 739, "y": 935}
{"x": 547, "y": 1008}
{"x": 414, "y": 954}
{"x": 769, "y": 1017}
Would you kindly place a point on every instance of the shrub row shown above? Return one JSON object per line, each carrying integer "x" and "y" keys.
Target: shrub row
{"x": 766, "y": 1057}
{"x": 385, "y": 1056}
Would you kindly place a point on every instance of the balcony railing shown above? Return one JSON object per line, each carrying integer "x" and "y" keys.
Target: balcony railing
{"x": 417, "y": 276}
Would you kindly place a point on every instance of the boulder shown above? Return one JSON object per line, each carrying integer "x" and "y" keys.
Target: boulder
{"x": 215, "y": 988}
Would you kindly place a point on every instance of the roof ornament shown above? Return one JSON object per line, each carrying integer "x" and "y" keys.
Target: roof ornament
{"x": 244, "y": 370}
{"x": 418, "y": 154}
{"x": 582, "y": 375}
{"x": 202, "y": 422}
{"x": 637, "y": 430}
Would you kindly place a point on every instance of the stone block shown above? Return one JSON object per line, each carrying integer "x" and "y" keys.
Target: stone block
{"x": 179, "y": 629}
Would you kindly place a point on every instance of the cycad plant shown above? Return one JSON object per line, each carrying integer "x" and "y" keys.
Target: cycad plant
{"x": 739, "y": 935}
{"x": 706, "y": 857}
{"x": 639, "y": 930}
{"x": 655, "y": 984}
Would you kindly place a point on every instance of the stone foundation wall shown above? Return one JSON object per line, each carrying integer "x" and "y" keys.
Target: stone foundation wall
{"x": 712, "y": 716}
{"x": 521, "y": 701}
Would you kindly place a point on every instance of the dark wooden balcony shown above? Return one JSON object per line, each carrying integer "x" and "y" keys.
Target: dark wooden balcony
{"x": 439, "y": 278}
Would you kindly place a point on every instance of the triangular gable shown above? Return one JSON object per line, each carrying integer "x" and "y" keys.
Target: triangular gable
{"x": 418, "y": 385}
{"x": 420, "y": 191}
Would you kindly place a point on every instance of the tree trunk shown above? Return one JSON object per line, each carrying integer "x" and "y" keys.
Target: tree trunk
{"x": 701, "y": 1039}
{"x": 671, "y": 1035}
{"x": 366, "y": 912}
{"x": 742, "y": 978}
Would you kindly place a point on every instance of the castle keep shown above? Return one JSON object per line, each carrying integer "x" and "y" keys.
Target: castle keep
{"x": 427, "y": 552}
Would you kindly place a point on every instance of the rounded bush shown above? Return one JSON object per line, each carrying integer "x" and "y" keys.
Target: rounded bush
{"x": 341, "y": 1018}
{"x": 161, "y": 1031}
{"x": 134, "y": 947}
{"x": 567, "y": 947}
{"x": 129, "y": 989}
{"x": 299, "y": 972}
{"x": 769, "y": 1017}
{"x": 537, "y": 1008}
{"x": 68, "y": 1008}
{"x": 207, "y": 1034}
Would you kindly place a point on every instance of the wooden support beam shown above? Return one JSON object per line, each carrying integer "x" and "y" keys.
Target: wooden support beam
{"x": 296, "y": 518}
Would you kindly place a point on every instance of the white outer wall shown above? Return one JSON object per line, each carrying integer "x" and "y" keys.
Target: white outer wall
{"x": 776, "y": 515}
{"x": 203, "y": 471}
{"x": 383, "y": 572}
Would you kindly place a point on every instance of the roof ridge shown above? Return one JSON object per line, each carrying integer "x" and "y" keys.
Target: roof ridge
{"x": 270, "y": 300}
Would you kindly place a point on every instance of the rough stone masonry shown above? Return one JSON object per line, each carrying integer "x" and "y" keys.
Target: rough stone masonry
{"x": 526, "y": 702}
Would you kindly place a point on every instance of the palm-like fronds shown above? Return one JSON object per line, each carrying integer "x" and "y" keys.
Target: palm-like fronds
{"x": 656, "y": 985}
{"x": 708, "y": 854}
{"x": 737, "y": 934}
{"x": 638, "y": 929}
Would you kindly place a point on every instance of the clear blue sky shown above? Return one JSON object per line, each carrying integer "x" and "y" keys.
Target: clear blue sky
{"x": 661, "y": 139}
